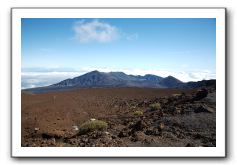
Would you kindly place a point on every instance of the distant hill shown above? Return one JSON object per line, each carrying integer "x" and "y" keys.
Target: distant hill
{"x": 171, "y": 82}
{"x": 119, "y": 79}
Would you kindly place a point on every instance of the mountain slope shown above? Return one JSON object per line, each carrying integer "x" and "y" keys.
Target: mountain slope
{"x": 171, "y": 82}
{"x": 119, "y": 79}
{"x": 111, "y": 79}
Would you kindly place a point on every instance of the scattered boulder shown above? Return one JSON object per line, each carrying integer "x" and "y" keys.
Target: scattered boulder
{"x": 36, "y": 130}
{"x": 123, "y": 133}
{"x": 75, "y": 128}
{"x": 149, "y": 131}
{"x": 178, "y": 110}
{"x": 55, "y": 134}
{"x": 107, "y": 133}
{"x": 190, "y": 145}
{"x": 170, "y": 110}
{"x": 139, "y": 125}
{"x": 161, "y": 126}
{"x": 52, "y": 141}
{"x": 155, "y": 131}
{"x": 203, "y": 108}
{"x": 202, "y": 93}
{"x": 139, "y": 136}
{"x": 95, "y": 139}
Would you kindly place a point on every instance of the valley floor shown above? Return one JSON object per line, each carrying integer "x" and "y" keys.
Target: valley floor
{"x": 132, "y": 117}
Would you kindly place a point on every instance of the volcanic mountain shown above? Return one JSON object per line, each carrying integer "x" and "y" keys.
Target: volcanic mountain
{"x": 119, "y": 79}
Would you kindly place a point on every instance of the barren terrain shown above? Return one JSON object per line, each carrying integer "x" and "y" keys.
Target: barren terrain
{"x": 133, "y": 117}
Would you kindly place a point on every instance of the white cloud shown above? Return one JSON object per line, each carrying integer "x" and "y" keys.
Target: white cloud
{"x": 44, "y": 70}
{"x": 39, "y": 79}
{"x": 185, "y": 76}
{"x": 95, "y": 31}
{"x": 43, "y": 77}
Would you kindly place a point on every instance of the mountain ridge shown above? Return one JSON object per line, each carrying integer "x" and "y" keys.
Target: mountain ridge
{"x": 119, "y": 79}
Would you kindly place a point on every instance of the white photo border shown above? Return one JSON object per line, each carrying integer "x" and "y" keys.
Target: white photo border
{"x": 116, "y": 12}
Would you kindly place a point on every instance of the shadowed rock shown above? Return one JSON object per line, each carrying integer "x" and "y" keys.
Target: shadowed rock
{"x": 203, "y": 108}
{"x": 200, "y": 94}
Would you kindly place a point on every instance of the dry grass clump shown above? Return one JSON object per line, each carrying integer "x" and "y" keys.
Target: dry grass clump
{"x": 92, "y": 125}
{"x": 155, "y": 106}
{"x": 138, "y": 113}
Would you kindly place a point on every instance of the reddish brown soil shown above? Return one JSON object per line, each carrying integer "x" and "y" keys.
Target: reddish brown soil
{"x": 48, "y": 119}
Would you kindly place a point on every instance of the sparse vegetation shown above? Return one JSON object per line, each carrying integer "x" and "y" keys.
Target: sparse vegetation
{"x": 176, "y": 94}
{"x": 92, "y": 125}
{"x": 155, "y": 106}
{"x": 138, "y": 113}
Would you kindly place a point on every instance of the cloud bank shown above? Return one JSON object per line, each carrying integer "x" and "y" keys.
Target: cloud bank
{"x": 43, "y": 77}
{"x": 95, "y": 31}
{"x": 39, "y": 79}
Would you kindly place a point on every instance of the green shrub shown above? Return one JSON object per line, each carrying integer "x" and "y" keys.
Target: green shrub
{"x": 155, "y": 106}
{"x": 92, "y": 126}
{"x": 138, "y": 113}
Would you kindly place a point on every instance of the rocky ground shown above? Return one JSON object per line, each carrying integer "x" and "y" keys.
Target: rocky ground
{"x": 157, "y": 118}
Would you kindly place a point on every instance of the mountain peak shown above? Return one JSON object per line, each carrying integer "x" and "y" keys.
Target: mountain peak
{"x": 148, "y": 75}
{"x": 94, "y": 71}
{"x": 171, "y": 82}
{"x": 170, "y": 76}
{"x": 118, "y": 79}
{"x": 111, "y": 79}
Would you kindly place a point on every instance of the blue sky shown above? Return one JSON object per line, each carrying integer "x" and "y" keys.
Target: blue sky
{"x": 55, "y": 49}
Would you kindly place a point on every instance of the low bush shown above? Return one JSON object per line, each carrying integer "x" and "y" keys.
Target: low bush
{"x": 155, "y": 106}
{"x": 138, "y": 113}
{"x": 92, "y": 126}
